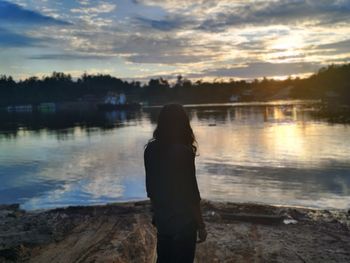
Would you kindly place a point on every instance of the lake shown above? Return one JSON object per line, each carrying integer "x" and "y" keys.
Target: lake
{"x": 277, "y": 153}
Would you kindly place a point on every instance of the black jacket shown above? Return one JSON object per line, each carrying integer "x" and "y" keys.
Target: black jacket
{"x": 172, "y": 186}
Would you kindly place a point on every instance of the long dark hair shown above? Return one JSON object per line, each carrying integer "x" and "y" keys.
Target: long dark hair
{"x": 174, "y": 127}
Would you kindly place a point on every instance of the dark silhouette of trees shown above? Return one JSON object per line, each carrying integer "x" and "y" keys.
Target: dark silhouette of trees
{"x": 332, "y": 82}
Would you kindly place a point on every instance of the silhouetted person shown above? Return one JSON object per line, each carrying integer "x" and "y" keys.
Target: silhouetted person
{"x": 172, "y": 186}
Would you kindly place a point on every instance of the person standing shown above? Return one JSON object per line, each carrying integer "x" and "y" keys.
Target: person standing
{"x": 171, "y": 185}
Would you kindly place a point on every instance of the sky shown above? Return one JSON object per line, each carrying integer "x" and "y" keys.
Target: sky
{"x": 199, "y": 39}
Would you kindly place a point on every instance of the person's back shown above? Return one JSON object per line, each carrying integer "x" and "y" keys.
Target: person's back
{"x": 172, "y": 187}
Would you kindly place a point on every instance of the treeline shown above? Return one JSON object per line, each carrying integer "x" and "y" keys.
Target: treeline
{"x": 60, "y": 87}
{"x": 329, "y": 82}
{"x": 332, "y": 82}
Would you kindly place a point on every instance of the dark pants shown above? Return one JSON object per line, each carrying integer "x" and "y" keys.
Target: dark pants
{"x": 178, "y": 248}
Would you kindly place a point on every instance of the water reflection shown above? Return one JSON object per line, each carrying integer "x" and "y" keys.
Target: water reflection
{"x": 275, "y": 154}
{"x": 311, "y": 187}
{"x": 12, "y": 124}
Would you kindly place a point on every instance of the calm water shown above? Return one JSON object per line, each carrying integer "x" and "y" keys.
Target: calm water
{"x": 276, "y": 153}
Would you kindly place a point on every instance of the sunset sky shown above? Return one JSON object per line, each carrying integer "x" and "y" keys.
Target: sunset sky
{"x": 200, "y": 39}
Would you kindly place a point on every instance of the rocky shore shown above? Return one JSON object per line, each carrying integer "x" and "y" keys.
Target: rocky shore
{"x": 123, "y": 233}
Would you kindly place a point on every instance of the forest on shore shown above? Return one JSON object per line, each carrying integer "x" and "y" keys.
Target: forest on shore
{"x": 329, "y": 83}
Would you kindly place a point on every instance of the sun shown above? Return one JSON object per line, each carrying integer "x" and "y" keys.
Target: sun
{"x": 285, "y": 49}
{"x": 287, "y": 43}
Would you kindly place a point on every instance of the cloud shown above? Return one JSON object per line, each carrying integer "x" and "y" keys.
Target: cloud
{"x": 279, "y": 12}
{"x": 68, "y": 57}
{"x": 10, "y": 39}
{"x": 251, "y": 70}
{"x": 195, "y": 38}
{"x": 160, "y": 49}
{"x": 185, "y": 5}
{"x": 101, "y": 8}
{"x": 259, "y": 69}
{"x": 336, "y": 47}
{"x": 136, "y": 44}
{"x": 13, "y": 13}
{"x": 176, "y": 58}
{"x": 167, "y": 24}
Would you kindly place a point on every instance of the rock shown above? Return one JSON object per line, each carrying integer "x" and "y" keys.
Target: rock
{"x": 288, "y": 221}
{"x": 297, "y": 214}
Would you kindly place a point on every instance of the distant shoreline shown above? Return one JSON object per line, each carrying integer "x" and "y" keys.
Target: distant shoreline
{"x": 329, "y": 84}
{"x": 81, "y": 106}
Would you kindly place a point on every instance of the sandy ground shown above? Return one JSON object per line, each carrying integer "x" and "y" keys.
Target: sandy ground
{"x": 123, "y": 233}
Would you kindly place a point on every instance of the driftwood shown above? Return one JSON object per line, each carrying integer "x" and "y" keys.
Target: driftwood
{"x": 253, "y": 218}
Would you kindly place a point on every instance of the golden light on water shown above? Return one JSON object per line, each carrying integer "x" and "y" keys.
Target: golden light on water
{"x": 273, "y": 133}
{"x": 287, "y": 138}
{"x": 271, "y": 155}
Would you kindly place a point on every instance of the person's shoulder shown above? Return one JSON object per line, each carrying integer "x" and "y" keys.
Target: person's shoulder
{"x": 150, "y": 147}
